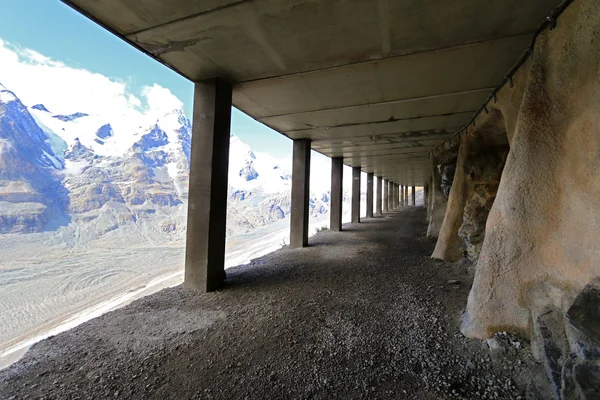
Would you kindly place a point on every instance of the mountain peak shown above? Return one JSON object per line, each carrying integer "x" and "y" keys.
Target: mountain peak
{"x": 6, "y": 96}
{"x": 40, "y": 107}
{"x": 70, "y": 117}
{"x": 77, "y": 151}
{"x": 155, "y": 138}
{"x": 105, "y": 131}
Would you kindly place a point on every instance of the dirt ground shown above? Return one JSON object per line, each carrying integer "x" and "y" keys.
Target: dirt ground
{"x": 364, "y": 313}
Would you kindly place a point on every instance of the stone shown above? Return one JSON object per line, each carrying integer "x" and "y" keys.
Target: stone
{"x": 552, "y": 346}
{"x": 485, "y": 171}
{"x": 584, "y": 313}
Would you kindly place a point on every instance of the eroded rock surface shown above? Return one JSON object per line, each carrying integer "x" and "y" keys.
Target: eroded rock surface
{"x": 485, "y": 171}
{"x": 540, "y": 248}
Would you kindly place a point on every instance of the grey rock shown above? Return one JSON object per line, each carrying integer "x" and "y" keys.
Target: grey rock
{"x": 584, "y": 313}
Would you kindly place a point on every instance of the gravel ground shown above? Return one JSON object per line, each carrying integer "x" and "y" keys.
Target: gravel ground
{"x": 360, "y": 314}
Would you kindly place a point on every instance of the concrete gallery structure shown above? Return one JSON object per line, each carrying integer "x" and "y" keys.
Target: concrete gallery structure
{"x": 490, "y": 105}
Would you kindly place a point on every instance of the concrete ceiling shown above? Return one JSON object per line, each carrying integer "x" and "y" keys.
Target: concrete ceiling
{"x": 378, "y": 82}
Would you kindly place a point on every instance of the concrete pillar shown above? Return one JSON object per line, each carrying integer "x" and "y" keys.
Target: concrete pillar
{"x": 386, "y": 194}
{"x": 396, "y": 196}
{"x": 390, "y": 195}
{"x": 207, "y": 199}
{"x": 402, "y": 203}
{"x": 370, "y": 195}
{"x": 406, "y": 195}
{"x": 355, "y": 217}
{"x": 300, "y": 193}
{"x": 379, "y": 200}
{"x": 414, "y": 196}
{"x": 337, "y": 194}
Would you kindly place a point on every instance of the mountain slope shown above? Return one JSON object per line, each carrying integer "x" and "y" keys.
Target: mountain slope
{"x": 107, "y": 178}
{"x": 31, "y": 193}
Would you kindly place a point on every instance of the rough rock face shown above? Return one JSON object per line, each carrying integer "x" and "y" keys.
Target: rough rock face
{"x": 485, "y": 171}
{"x": 436, "y": 201}
{"x": 30, "y": 188}
{"x": 541, "y": 244}
{"x": 537, "y": 269}
{"x": 448, "y": 246}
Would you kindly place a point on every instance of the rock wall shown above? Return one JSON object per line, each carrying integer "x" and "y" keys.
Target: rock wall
{"x": 485, "y": 171}
{"x": 538, "y": 258}
{"x": 436, "y": 202}
{"x": 540, "y": 248}
{"x": 448, "y": 246}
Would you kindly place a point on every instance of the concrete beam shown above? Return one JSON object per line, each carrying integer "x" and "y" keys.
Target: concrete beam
{"x": 386, "y": 195}
{"x": 337, "y": 194}
{"x": 300, "y": 193}
{"x": 355, "y": 195}
{"x": 379, "y": 201}
{"x": 370, "y": 195}
{"x": 207, "y": 201}
{"x": 414, "y": 197}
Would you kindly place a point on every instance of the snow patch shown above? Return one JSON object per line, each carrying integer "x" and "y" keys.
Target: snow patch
{"x": 7, "y": 96}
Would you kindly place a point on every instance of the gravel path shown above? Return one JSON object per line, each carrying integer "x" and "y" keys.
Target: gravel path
{"x": 360, "y": 314}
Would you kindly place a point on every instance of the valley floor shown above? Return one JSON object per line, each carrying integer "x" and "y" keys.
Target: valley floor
{"x": 363, "y": 313}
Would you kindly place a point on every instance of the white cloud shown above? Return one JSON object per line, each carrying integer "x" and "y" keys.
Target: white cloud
{"x": 63, "y": 89}
{"x": 160, "y": 100}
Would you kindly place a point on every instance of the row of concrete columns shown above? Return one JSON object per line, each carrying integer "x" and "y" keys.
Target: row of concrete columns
{"x": 207, "y": 201}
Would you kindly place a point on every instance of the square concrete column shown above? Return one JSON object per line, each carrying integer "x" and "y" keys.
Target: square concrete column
{"x": 370, "y": 195}
{"x": 390, "y": 195}
{"x": 386, "y": 195}
{"x": 207, "y": 201}
{"x": 379, "y": 200}
{"x": 355, "y": 195}
{"x": 396, "y": 191}
{"x": 401, "y": 194}
{"x": 406, "y": 194}
{"x": 403, "y": 199}
{"x": 414, "y": 196}
{"x": 300, "y": 194}
{"x": 337, "y": 194}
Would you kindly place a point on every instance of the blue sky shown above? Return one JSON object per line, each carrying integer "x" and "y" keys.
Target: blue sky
{"x": 58, "y": 32}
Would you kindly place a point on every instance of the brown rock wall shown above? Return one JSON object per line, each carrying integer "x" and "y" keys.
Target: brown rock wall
{"x": 437, "y": 202}
{"x": 541, "y": 243}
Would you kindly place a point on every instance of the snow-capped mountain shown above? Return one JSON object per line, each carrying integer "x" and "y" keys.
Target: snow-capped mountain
{"x": 94, "y": 176}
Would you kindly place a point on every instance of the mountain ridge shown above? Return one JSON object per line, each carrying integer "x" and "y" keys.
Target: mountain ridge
{"x": 96, "y": 177}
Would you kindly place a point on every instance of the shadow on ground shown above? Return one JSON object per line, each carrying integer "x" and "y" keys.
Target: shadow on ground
{"x": 363, "y": 313}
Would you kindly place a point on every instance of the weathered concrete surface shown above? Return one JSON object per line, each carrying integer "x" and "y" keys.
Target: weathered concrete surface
{"x": 361, "y": 314}
{"x": 341, "y": 72}
{"x": 379, "y": 198}
{"x": 300, "y": 193}
{"x": 436, "y": 204}
{"x": 386, "y": 195}
{"x": 448, "y": 246}
{"x": 355, "y": 211}
{"x": 337, "y": 194}
{"x": 370, "y": 195}
{"x": 541, "y": 243}
{"x": 207, "y": 205}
